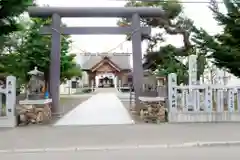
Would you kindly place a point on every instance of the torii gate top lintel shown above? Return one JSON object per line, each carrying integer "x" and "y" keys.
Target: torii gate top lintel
{"x": 95, "y": 11}
{"x": 55, "y": 30}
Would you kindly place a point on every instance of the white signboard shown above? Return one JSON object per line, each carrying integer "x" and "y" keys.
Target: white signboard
{"x": 208, "y": 99}
{"x": 231, "y": 100}
{"x": 238, "y": 99}
{"x": 220, "y": 100}
{"x": 193, "y": 95}
{"x": 172, "y": 92}
{"x": 192, "y": 68}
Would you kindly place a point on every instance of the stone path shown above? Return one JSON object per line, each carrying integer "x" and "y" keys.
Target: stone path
{"x": 100, "y": 109}
{"x": 106, "y": 90}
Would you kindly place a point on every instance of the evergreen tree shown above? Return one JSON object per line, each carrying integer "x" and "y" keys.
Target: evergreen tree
{"x": 174, "y": 23}
{"x": 224, "y": 47}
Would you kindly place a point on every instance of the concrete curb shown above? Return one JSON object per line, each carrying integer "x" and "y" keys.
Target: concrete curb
{"x": 108, "y": 148}
{"x": 218, "y": 143}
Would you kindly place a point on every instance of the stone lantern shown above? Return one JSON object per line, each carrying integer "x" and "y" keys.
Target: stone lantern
{"x": 35, "y": 84}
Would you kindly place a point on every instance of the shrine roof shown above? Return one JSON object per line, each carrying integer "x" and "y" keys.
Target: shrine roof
{"x": 122, "y": 62}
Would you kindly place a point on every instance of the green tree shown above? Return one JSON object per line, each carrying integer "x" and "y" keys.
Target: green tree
{"x": 10, "y": 9}
{"x": 172, "y": 65}
{"x": 9, "y": 23}
{"x": 224, "y": 47}
{"x": 173, "y": 23}
{"x": 35, "y": 50}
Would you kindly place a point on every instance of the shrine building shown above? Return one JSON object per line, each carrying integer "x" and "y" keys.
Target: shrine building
{"x": 108, "y": 71}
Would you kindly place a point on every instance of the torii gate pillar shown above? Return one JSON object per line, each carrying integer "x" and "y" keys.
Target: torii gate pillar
{"x": 137, "y": 58}
{"x": 56, "y": 30}
{"x": 55, "y": 64}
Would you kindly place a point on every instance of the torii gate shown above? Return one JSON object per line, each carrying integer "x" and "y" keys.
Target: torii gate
{"x": 134, "y": 13}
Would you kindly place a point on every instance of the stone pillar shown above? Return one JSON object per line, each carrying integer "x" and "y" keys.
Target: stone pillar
{"x": 172, "y": 92}
{"x": 90, "y": 82}
{"x": 1, "y": 102}
{"x": 123, "y": 79}
{"x": 10, "y": 96}
{"x": 115, "y": 81}
{"x": 192, "y": 70}
{"x": 96, "y": 81}
{"x": 137, "y": 58}
{"x": 55, "y": 63}
{"x": 69, "y": 85}
{"x": 119, "y": 83}
{"x": 92, "y": 85}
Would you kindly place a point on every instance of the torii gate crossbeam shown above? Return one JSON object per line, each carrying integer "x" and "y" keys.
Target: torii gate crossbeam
{"x": 94, "y": 30}
{"x": 134, "y": 13}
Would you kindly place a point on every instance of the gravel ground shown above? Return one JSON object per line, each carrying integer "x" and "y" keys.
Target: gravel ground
{"x": 66, "y": 104}
{"x": 70, "y": 103}
{"x": 133, "y": 114}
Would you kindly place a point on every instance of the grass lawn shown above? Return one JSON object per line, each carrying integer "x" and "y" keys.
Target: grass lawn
{"x": 63, "y": 100}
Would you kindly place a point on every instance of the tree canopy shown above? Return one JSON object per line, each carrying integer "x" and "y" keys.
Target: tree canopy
{"x": 35, "y": 50}
{"x": 10, "y": 9}
{"x": 22, "y": 47}
{"x": 25, "y": 48}
{"x": 223, "y": 48}
{"x": 159, "y": 56}
{"x": 9, "y": 23}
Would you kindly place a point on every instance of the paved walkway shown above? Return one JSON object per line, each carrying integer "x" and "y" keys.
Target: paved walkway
{"x": 100, "y": 109}
{"x": 106, "y": 90}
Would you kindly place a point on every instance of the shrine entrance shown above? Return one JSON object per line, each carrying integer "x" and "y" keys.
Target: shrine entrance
{"x": 56, "y": 29}
{"x": 106, "y": 82}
